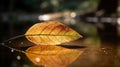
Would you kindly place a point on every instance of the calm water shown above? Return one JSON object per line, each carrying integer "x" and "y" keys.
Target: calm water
{"x": 99, "y": 55}
{"x": 95, "y": 54}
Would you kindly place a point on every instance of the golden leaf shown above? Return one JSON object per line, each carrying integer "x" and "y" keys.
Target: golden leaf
{"x": 52, "y": 56}
{"x": 51, "y": 33}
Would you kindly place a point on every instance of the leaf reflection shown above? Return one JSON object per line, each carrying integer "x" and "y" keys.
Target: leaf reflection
{"x": 52, "y": 56}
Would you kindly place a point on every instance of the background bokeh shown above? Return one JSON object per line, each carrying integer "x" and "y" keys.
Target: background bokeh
{"x": 97, "y": 20}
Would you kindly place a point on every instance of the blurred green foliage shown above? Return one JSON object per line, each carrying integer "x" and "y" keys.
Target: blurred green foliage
{"x": 46, "y": 6}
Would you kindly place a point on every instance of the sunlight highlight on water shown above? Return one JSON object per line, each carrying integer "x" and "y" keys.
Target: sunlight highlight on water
{"x": 22, "y": 43}
{"x": 18, "y": 57}
{"x": 2, "y": 43}
{"x": 12, "y": 50}
{"x": 37, "y": 59}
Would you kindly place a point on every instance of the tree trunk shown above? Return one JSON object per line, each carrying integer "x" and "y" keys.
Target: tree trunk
{"x": 107, "y": 31}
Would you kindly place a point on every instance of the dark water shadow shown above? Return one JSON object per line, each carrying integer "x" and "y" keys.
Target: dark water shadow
{"x": 73, "y": 47}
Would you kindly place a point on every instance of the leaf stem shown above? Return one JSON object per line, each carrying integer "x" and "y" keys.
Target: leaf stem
{"x": 3, "y": 44}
